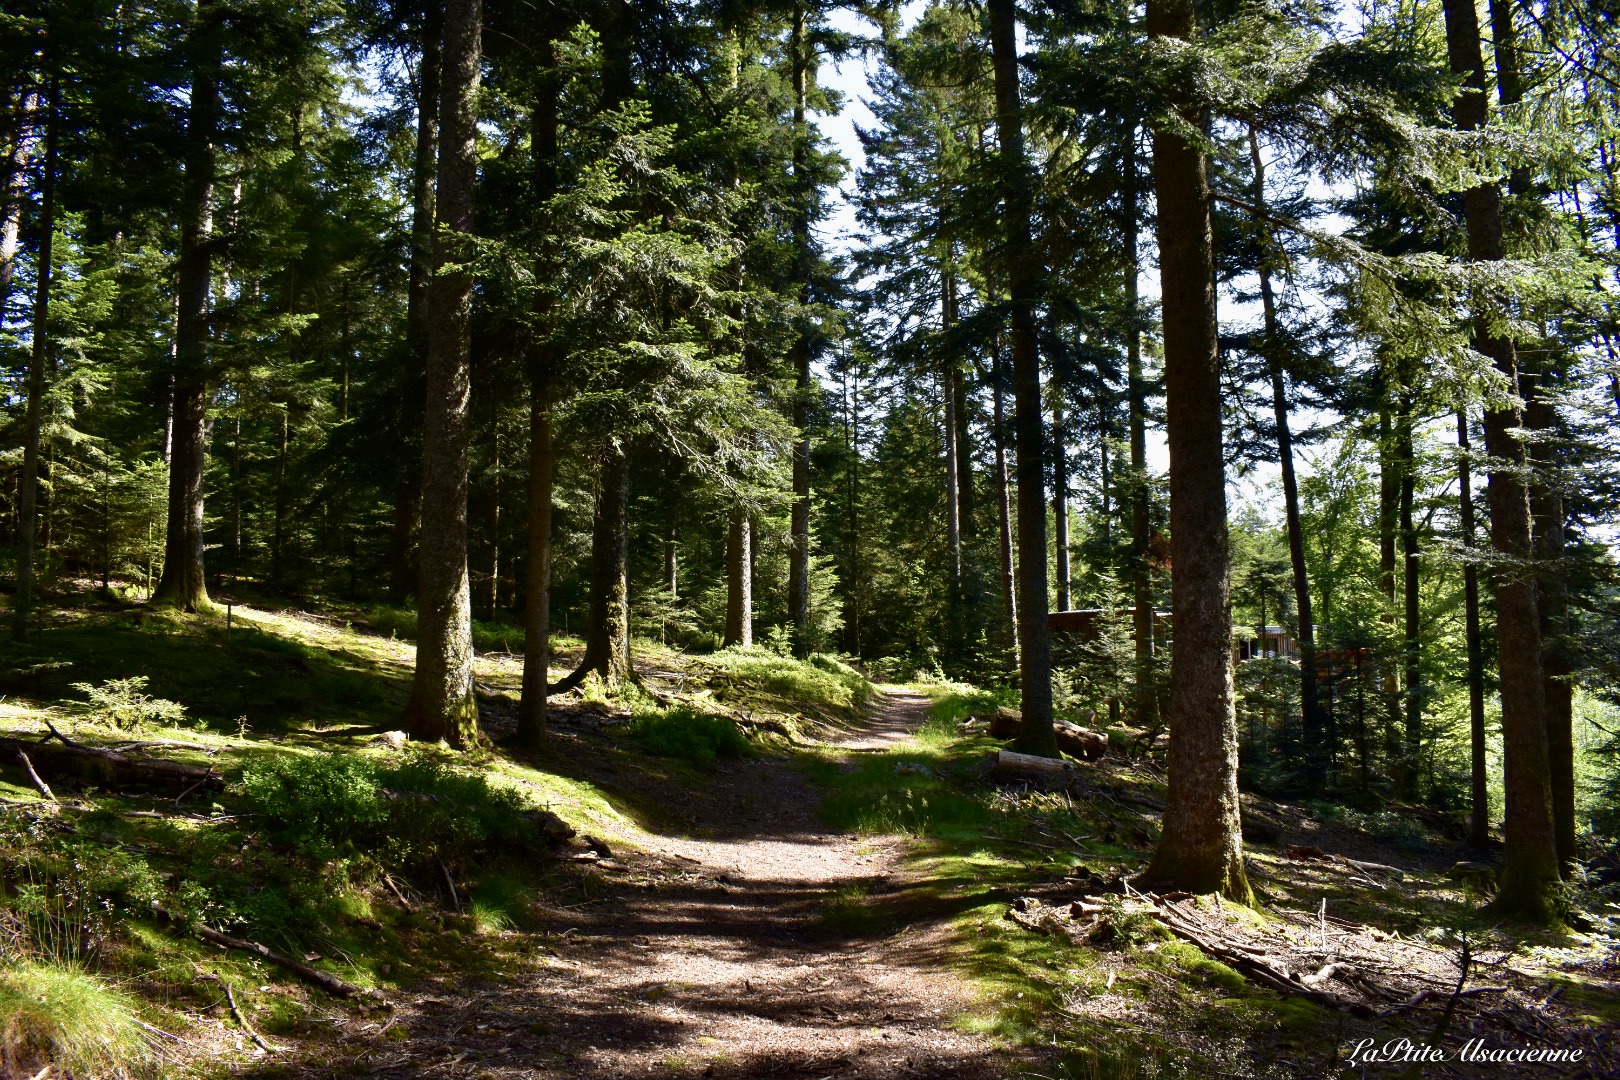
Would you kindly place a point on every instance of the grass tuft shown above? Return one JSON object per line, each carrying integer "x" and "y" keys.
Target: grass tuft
{"x": 57, "y": 1015}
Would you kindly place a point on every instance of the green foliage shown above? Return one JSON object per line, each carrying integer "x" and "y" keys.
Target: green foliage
{"x": 65, "y": 890}
{"x": 821, "y": 684}
{"x": 681, "y": 732}
{"x": 58, "y": 1015}
{"x": 123, "y": 703}
{"x": 343, "y": 805}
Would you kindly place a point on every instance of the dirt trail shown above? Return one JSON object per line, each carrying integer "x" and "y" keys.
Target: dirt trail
{"x": 717, "y": 960}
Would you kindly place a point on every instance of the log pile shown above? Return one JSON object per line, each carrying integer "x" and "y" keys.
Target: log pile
{"x": 1072, "y": 739}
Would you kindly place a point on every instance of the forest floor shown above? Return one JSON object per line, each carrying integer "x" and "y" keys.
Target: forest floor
{"x": 712, "y": 954}
{"x": 845, "y": 894}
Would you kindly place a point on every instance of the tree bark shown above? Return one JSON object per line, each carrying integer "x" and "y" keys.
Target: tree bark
{"x": 12, "y": 189}
{"x": 443, "y": 705}
{"x": 39, "y": 360}
{"x": 1201, "y": 846}
{"x": 1411, "y": 624}
{"x": 182, "y": 585}
{"x": 1552, "y": 600}
{"x": 1023, "y": 285}
{"x": 537, "y": 570}
{"x": 537, "y": 562}
{"x": 739, "y": 580}
{"x": 607, "y": 641}
{"x": 1009, "y": 592}
{"x": 1060, "y": 506}
{"x": 1479, "y": 828}
{"x": 799, "y": 519}
{"x": 407, "y": 500}
{"x": 1530, "y": 864}
{"x": 1146, "y": 704}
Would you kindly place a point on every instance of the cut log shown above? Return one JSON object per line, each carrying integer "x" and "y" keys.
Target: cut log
{"x": 1005, "y": 722}
{"x": 108, "y": 768}
{"x": 1048, "y": 772}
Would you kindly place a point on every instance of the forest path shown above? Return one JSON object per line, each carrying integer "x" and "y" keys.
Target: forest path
{"x": 748, "y": 948}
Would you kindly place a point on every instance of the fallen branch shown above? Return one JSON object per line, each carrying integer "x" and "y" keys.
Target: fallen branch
{"x": 44, "y": 788}
{"x": 247, "y": 1028}
{"x": 330, "y": 983}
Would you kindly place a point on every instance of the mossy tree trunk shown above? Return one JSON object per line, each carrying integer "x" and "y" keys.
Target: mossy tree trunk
{"x": 443, "y": 705}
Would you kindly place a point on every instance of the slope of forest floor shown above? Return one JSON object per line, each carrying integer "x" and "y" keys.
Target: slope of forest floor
{"x": 845, "y": 893}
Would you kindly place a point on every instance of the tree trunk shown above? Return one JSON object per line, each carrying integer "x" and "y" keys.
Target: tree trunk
{"x": 1060, "y": 507}
{"x": 402, "y": 554}
{"x": 182, "y": 585}
{"x": 1201, "y": 846}
{"x": 443, "y": 705}
{"x": 1530, "y": 865}
{"x": 799, "y": 522}
{"x": 739, "y": 580}
{"x": 537, "y": 571}
{"x": 537, "y": 562}
{"x": 1146, "y": 704}
{"x": 607, "y": 640}
{"x": 12, "y": 187}
{"x": 1009, "y": 592}
{"x": 1479, "y": 818}
{"x": 1411, "y": 646}
{"x": 39, "y": 360}
{"x": 1315, "y": 723}
{"x": 1552, "y": 599}
{"x": 953, "y": 505}
{"x": 1034, "y": 639}
{"x": 1389, "y": 503}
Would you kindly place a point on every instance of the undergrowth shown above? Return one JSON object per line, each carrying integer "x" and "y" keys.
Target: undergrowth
{"x": 682, "y": 732}
{"x": 59, "y": 1015}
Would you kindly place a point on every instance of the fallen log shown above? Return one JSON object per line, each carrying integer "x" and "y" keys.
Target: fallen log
{"x": 108, "y": 768}
{"x": 1049, "y": 772}
{"x": 1079, "y": 742}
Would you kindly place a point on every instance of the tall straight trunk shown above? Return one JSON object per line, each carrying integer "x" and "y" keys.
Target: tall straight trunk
{"x": 278, "y": 532}
{"x": 607, "y": 637}
{"x": 739, "y": 580}
{"x": 1060, "y": 506}
{"x": 493, "y": 600}
{"x": 1411, "y": 644}
{"x": 1145, "y": 707}
{"x": 799, "y": 518}
{"x": 13, "y": 170}
{"x": 1547, "y": 509}
{"x": 182, "y": 585}
{"x": 39, "y": 360}
{"x": 542, "y": 459}
{"x": 537, "y": 570}
{"x": 1479, "y": 816}
{"x": 443, "y": 705}
{"x": 1035, "y": 733}
{"x": 1389, "y": 507}
{"x": 407, "y": 497}
{"x": 1315, "y": 723}
{"x": 1557, "y": 665}
{"x": 1201, "y": 846}
{"x": 1009, "y": 591}
{"x": 1530, "y": 864}
{"x": 964, "y": 457}
{"x": 953, "y": 499}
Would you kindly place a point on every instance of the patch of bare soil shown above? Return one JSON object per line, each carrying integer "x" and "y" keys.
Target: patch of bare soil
{"x": 708, "y": 956}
